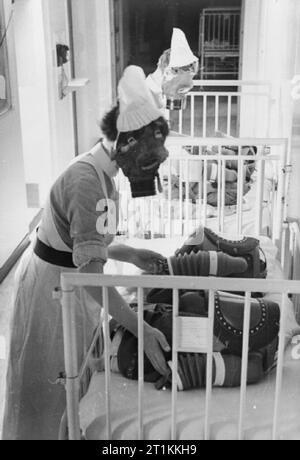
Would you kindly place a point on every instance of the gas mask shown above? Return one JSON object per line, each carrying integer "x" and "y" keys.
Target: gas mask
{"x": 175, "y": 71}
{"x": 177, "y": 82}
{"x": 140, "y": 153}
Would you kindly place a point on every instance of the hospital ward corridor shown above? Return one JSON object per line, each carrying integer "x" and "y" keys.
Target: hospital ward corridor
{"x": 149, "y": 222}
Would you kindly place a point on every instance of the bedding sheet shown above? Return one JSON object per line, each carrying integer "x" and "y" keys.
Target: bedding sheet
{"x": 191, "y": 409}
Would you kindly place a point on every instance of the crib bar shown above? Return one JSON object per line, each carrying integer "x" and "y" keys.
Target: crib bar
{"x": 152, "y": 217}
{"x": 70, "y": 355}
{"x": 214, "y": 26}
{"x": 260, "y": 178}
{"x": 284, "y": 250}
{"x": 169, "y": 198}
{"x": 180, "y": 121}
{"x": 223, "y": 198}
{"x": 280, "y": 363}
{"x": 291, "y": 255}
{"x": 204, "y": 115}
{"x": 228, "y": 31}
{"x": 81, "y": 297}
{"x": 209, "y": 364}
{"x": 229, "y": 111}
{"x": 219, "y": 186}
{"x": 187, "y": 201}
{"x": 205, "y": 193}
{"x": 175, "y": 312}
{"x": 180, "y": 196}
{"x": 209, "y": 29}
{"x": 240, "y": 191}
{"x": 192, "y": 114}
{"x": 141, "y": 363}
{"x": 280, "y": 201}
{"x": 223, "y": 34}
{"x": 107, "y": 364}
{"x": 246, "y": 329}
{"x": 217, "y": 108}
{"x": 234, "y": 30}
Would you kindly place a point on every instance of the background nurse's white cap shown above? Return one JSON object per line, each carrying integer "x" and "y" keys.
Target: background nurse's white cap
{"x": 181, "y": 53}
{"x": 137, "y": 106}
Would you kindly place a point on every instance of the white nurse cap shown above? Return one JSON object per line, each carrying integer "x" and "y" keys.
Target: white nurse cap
{"x": 181, "y": 53}
{"x": 137, "y": 106}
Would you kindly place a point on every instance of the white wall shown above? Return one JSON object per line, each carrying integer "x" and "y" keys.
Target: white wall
{"x": 294, "y": 204}
{"x": 60, "y": 111}
{"x": 92, "y": 54}
{"x": 34, "y": 105}
{"x": 271, "y": 52}
{"x": 13, "y": 209}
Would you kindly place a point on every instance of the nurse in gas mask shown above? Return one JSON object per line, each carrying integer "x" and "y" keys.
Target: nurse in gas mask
{"x": 73, "y": 236}
{"x": 173, "y": 77}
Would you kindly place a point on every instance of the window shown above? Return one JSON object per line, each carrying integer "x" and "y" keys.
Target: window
{"x": 5, "y": 99}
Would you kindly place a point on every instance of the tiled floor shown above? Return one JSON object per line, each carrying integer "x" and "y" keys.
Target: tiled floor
{"x": 6, "y": 292}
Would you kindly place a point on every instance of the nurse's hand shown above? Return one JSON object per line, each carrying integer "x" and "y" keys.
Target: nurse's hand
{"x": 148, "y": 261}
{"x": 154, "y": 345}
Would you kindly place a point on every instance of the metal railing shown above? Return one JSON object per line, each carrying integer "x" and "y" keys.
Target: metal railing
{"x": 215, "y": 105}
{"x": 69, "y": 281}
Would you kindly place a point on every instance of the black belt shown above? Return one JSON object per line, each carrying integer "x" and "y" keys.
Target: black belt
{"x": 52, "y": 256}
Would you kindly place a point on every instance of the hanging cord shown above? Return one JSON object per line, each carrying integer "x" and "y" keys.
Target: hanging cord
{"x": 6, "y": 29}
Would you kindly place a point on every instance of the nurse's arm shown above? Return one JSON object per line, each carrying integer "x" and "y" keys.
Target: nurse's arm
{"x": 145, "y": 259}
{"x": 121, "y": 252}
{"x": 154, "y": 340}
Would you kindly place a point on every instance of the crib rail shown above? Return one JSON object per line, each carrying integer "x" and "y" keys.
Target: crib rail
{"x": 182, "y": 208}
{"x": 219, "y": 40}
{"x": 69, "y": 281}
{"x": 220, "y": 28}
{"x": 215, "y": 105}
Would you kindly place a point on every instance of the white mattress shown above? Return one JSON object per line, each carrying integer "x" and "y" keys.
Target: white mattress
{"x": 191, "y": 409}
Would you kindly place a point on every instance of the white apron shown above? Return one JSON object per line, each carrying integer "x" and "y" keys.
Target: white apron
{"x": 34, "y": 403}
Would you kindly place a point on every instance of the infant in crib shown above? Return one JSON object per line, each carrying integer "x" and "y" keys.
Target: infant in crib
{"x": 199, "y": 257}
{"x": 190, "y": 184}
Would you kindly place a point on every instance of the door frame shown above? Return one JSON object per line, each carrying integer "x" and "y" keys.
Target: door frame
{"x": 117, "y": 42}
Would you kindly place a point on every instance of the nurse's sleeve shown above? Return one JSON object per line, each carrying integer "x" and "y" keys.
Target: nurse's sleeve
{"x": 86, "y": 208}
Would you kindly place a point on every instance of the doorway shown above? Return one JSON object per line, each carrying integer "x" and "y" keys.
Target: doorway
{"x": 143, "y": 30}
